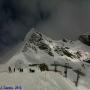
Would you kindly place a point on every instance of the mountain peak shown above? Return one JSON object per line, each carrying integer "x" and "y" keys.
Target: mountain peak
{"x": 29, "y": 34}
{"x": 37, "y": 40}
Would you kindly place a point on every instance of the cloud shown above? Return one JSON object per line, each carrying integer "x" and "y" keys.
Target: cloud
{"x": 18, "y": 16}
{"x": 71, "y": 19}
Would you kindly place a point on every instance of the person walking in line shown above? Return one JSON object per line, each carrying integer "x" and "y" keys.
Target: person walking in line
{"x": 66, "y": 68}
{"x": 9, "y": 69}
{"x": 65, "y": 72}
{"x": 14, "y": 69}
{"x": 21, "y": 69}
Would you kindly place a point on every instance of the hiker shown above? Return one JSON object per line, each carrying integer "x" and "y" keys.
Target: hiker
{"x": 9, "y": 68}
{"x": 14, "y": 69}
{"x": 65, "y": 72}
{"x": 21, "y": 69}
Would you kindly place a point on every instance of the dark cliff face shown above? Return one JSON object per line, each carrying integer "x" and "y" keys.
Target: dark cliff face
{"x": 37, "y": 41}
{"x": 85, "y": 39}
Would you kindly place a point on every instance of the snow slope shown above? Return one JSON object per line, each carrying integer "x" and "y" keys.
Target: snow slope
{"x": 37, "y": 49}
{"x": 37, "y": 81}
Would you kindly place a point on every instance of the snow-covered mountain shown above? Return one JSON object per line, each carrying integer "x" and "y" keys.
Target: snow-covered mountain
{"x": 45, "y": 49}
{"x": 38, "y": 48}
{"x": 39, "y": 42}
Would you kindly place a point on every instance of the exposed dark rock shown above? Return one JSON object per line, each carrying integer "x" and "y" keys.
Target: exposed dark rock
{"x": 67, "y": 47}
{"x": 35, "y": 38}
{"x": 64, "y": 40}
{"x": 58, "y": 50}
{"x": 87, "y": 61}
{"x": 85, "y": 39}
{"x": 37, "y": 41}
{"x": 45, "y": 47}
{"x": 78, "y": 54}
{"x": 67, "y": 53}
{"x": 43, "y": 67}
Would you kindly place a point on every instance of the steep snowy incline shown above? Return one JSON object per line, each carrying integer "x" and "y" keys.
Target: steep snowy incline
{"x": 37, "y": 81}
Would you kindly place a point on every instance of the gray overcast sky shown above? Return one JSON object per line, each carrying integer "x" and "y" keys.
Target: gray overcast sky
{"x": 55, "y": 18}
{"x": 71, "y": 19}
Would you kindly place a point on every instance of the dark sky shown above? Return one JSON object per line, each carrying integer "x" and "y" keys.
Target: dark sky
{"x": 17, "y": 17}
{"x": 55, "y": 18}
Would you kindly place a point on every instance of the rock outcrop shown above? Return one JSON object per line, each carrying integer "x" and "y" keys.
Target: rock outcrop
{"x": 85, "y": 39}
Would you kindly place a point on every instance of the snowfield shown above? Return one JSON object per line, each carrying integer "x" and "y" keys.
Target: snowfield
{"x": 37, "y": 81}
